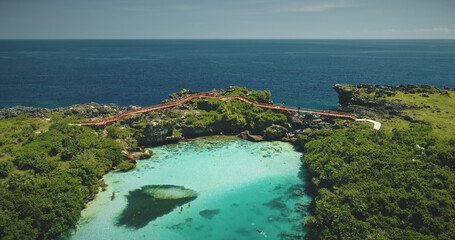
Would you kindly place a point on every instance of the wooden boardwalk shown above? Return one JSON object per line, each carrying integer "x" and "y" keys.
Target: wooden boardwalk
{"x": 330, "y": 114}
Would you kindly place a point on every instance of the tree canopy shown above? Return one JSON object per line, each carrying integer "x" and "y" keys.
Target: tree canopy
{"x": 374, "y": 185}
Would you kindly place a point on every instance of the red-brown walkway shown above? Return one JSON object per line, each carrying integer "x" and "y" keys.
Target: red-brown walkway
{"x": 331, "y": 114}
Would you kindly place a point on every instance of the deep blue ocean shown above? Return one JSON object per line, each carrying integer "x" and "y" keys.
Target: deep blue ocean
{"x": 54, "y": 73}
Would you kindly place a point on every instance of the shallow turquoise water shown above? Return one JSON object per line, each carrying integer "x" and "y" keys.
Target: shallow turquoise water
{"x": 242, "y": 187}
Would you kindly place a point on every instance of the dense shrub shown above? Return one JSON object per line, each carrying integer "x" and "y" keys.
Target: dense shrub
{"x": 374, "y": 185}
{"x": 5, "y": 168}
{"x": 233, "y": 115}
{"x": 45, "y": 201}
{"x": 256, "y": 96}
{"x": 126, "y": 166}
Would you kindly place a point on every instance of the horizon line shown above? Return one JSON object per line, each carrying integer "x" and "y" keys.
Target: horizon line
{"x": 227, "y": 39}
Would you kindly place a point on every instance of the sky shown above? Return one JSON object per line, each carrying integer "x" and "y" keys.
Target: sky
{"x": 227, "y": 19}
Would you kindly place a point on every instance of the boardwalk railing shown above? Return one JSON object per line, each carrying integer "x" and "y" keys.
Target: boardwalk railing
{"x": 119, "y": 117}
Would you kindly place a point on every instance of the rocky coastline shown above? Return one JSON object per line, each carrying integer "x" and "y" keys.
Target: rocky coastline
{"x": 373, "y": 100}
{"x": 172, "y": 125}
{"x": 90, "y": 110}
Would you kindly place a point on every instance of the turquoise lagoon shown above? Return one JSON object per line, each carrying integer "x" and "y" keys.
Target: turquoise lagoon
{"x": 241, "y": 187}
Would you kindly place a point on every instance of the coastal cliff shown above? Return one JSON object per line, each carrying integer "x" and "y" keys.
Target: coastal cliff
{"x": 398, "y": 106}
{"x": 369, "y": 100}
{"x": 203, "y": 117}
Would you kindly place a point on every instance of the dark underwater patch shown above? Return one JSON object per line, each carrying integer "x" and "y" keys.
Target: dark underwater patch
{"x": 209, "y": 213}
{"x": 276, "y": 203}
{"x": 277, "y": 187}
{"x": 244, "y": 232}
{"x": 152, "y": 201}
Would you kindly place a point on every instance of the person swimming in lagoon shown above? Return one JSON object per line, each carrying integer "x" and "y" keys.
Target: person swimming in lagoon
{"x": 261, "y": 232}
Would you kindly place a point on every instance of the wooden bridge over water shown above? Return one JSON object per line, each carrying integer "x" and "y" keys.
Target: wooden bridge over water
{"x": 212, "y": 95}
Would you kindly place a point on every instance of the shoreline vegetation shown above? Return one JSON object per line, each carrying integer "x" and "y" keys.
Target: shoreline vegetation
{"x": 395, "y": 183}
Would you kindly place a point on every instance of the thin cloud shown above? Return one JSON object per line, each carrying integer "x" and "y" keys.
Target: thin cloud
{"x": 435, "y": 32}
{"x": 419, "y": 31}
{"x": 412, "y": 32}
{"x": 318, "y": 7}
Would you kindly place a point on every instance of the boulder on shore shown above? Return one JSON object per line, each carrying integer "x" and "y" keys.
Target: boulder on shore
{"x": 139, "y": 155}
{"x": 247, "y": 136}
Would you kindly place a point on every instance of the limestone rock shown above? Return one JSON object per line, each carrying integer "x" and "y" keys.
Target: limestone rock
{"x": 275, "y": 132}
{"x": 247, "y": 136}
{"x": 156, "y": 133}
{"x": 135, "y": 156}
{"x": 146, "y": 154}
{"x": 352, "y": 101}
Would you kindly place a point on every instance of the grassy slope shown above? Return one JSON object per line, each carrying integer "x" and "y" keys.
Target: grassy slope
{"x": 14, "y": 129}
{"x": 437, "y": 109}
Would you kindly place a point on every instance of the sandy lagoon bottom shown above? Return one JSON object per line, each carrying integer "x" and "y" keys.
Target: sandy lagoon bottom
{"x": 242, "y": 186}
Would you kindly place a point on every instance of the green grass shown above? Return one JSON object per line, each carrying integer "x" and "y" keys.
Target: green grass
{"x": 256, "y": 96}
{"x": 176, "y": 133}
{"x": 437, "y": 109}
{"x": 431, "y": 105}
{"x": 393, "y": 123}
{"x": 14, "y": 131}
